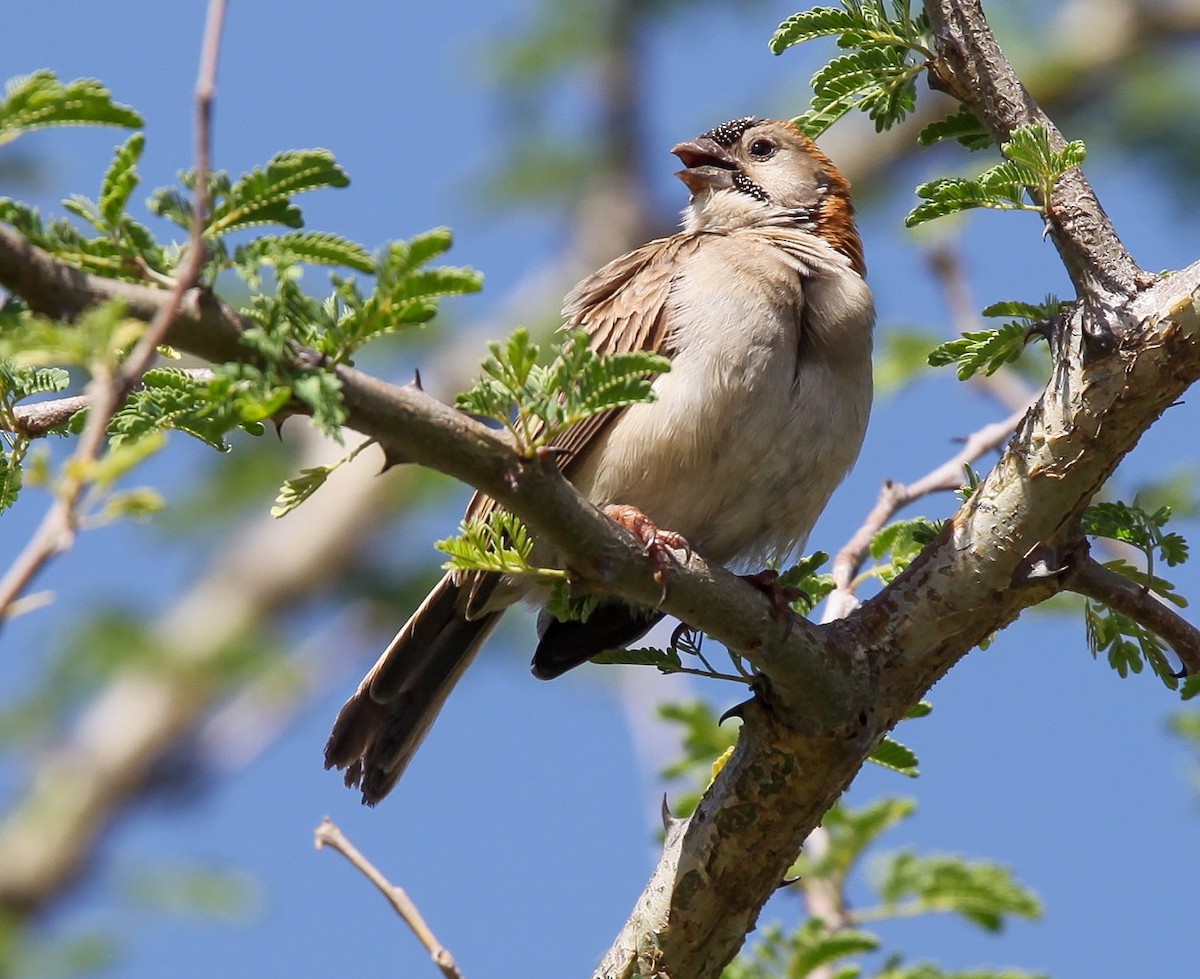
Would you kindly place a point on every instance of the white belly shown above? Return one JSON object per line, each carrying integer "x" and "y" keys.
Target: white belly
{"x": 745, "y": 443}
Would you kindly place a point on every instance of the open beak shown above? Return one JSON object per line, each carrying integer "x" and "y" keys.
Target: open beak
{"x": 708, "y": 165}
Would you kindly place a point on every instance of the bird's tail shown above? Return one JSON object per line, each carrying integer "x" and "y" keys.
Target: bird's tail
{"x": 380, "y": 728}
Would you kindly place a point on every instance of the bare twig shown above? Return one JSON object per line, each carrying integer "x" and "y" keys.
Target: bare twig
{"x": 893, "y": 497}
{"x": 328, "y": 834}
{"x": 1093, "y": 580}
{"x": 56, "y": 533}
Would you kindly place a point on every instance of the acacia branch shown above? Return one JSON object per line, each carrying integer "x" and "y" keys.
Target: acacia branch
{"x": 1093, "y": 580}
{"x": 971, "y": 66}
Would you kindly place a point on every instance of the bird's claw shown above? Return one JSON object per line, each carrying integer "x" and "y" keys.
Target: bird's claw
{"x": 780, "y": 596}
{"x": 656, "y": 543}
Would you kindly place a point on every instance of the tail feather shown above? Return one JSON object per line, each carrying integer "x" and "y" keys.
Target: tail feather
{"x": 564, "y": 645}
{"x": 380, "y": 728}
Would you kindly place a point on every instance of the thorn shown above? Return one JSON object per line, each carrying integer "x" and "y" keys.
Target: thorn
{"x": 553, "y": 453}
{"x": 788, "y": 882}
{"x": 392, "y": 458}
{"x": 1040, "y": 562}
{"x": 669, "y": 819}
{"x": 737, "y": 710}
{"x": 415, "y": 383}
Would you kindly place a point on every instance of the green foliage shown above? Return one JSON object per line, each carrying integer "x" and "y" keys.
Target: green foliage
{"x": 204, "y": 408}
{"x": 890, "y": 48}
{"x": 1132, "y": 525}
{"x": 899, "y": 758}
{"x": 801, "y": 952}
{"x": 989, "y": 350}
{"x": 684, "y": 642}
{"x": 983, "y": 893}
{"x": 901, "y": 542}
{"x": 924, "y": 970}
{"x": 40, "y": 100}
{"x": 982, "y": 350}
{"x": 567, "y": 607}
{"x": 298, "y": 489}
{"x": 1031, "y": 165}
{"x": 405, "y": 294}
{"x": 405, "y": 291}
{"x": 264, "y": 195}
{"x": 81, "y": 952}
{"x": 962, "y": 125}
{"x": 283, "y": 253}
{"x": 1126, "y": 643}
{"x": 804, "y": 578}
{"x": 261, "y": 197}
{"x": 16, "y": 384}
{"x": 705, "y": 740}
{"x": 501, "y": 542}
{"x": 538, "y": 403}
{"x": 195, "y": 892}
{"x": 1179, "y": 490}
{"x": 906, "y": 884}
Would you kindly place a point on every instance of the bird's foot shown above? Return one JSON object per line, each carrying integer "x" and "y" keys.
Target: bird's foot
{"x": 657, "y": 543}
{"x": 780, "y": 596}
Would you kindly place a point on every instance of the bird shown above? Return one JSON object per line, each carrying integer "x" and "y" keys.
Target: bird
{"x": 761, "y": 304}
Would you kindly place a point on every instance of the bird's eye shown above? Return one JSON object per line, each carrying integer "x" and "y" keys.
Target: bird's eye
{"x": 760, "y": 149}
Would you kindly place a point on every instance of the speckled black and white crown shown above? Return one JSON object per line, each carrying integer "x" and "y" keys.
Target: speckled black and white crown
{"x": 730, "y": 132}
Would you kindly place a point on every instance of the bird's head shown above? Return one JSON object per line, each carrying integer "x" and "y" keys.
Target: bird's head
{"x": 761, "y": 171}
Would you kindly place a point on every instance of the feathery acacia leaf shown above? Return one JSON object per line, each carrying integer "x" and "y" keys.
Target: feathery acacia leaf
{"x": 899, "y": 758}
{"x": 40, "y": 100}
{"x": 903, "y": 540}
{"x": 962, "y": 126}
{"x": 982, "y": 350}
{"x": 301, "y": 248}
{"x": 501, "y": 543}
{"x": 406, "y": 293}
{"x": 536, "y": 403}
{"x": 120, "y": 179}
{"x": 1030, "y": 165}
{"x": 168, "y": 398}
{"x": 810, "y": 24}
{"x": 984, "y": 893}
{"x": 1135, "y": 526}
{"x": 887, "y": 52}
{"x": 263, "y": 196}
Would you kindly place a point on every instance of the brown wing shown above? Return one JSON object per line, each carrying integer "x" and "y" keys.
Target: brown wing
{"x": 623, "y": 307}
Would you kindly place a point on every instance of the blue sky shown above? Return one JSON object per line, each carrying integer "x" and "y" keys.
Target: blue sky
{"x": 524, "y": 829}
